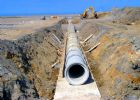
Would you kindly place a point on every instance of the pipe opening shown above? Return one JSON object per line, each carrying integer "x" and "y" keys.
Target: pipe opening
{"x": 76, "y": 71}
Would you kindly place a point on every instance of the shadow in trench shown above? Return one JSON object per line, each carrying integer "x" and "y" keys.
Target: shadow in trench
{"x": 90, "y": 80}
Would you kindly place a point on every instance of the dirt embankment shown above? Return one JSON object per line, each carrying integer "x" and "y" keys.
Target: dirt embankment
{"x": 115, "y": 63}
{"x": 26, "y": 70}
{"x": 126, "y": 15}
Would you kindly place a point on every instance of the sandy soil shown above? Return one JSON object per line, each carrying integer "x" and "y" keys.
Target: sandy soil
{"x": 13, "y": 28}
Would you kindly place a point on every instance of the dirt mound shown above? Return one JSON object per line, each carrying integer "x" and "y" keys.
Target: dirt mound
{"x": 26, "y": 65}
{"x": 103, "y": 14}
{"x": 126, "y": 15}
{"x": 64, "y": 21}
{"x": 75, "y": 20}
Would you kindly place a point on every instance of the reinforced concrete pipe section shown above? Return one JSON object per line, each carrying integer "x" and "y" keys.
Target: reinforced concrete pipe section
{"x": 76, "y": 71}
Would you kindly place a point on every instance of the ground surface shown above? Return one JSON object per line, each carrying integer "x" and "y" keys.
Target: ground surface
{"x": 13, "y": 28}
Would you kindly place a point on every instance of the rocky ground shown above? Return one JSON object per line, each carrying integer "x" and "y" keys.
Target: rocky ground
{"x": 29, "y": 59}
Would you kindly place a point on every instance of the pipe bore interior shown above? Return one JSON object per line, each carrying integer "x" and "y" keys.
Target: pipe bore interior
{"x": 76, "y": 71}
{"x": 77, "y": 74}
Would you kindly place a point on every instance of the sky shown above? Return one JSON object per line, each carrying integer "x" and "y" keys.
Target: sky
{"x": 43, "y": 7}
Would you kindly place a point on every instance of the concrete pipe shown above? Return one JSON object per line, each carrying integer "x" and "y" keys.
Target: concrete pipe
{"x": 71, "y": 28}
{"x": 73, "y": 45}
{"x": 72, "y": 39}
{"x": 74, "y": 53}
{"x": 73, "y": 49}
{"x": 72, "y": 36}
{"x": 76, "y": 71}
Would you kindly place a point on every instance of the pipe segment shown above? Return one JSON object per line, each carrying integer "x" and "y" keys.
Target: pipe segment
{"x": 76, "y": 70}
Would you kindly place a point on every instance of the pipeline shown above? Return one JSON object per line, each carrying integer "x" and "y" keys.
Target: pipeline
{"x": 76, "y": 71}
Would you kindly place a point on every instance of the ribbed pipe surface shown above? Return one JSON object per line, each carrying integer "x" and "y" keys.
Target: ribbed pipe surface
{"x": 76, "y": 70}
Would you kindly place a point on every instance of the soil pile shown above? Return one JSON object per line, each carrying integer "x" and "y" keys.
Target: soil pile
{"x": 126, "y": 15}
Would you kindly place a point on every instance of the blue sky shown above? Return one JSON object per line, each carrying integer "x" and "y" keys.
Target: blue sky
{"x": 36, "y": 7}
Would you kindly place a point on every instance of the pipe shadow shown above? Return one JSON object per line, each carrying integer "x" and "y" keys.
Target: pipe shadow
{"x": 90, "y": 80}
